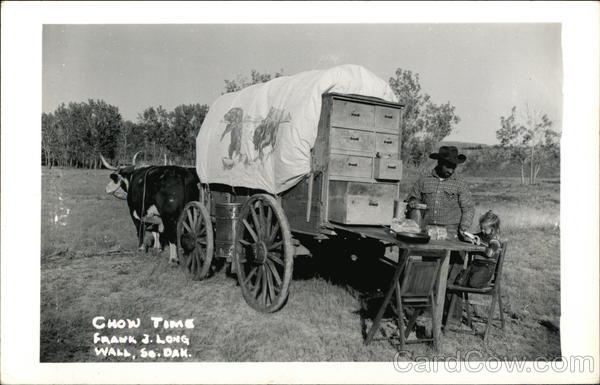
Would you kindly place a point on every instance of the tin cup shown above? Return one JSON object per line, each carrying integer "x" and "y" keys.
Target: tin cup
{"x": 419, "y": 215}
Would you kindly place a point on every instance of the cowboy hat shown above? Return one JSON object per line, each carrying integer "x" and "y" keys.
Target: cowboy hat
{"x": 449, "y": 154}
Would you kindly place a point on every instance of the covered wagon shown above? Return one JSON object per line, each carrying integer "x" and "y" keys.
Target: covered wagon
{"x": 312, "y": 154}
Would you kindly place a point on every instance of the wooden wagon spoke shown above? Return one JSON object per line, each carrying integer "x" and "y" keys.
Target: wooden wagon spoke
{"x": 274, "y": 231}
{"x": 249, "y": 228}
{"x": 274, "y": 272}
{"x": 256, "y": 286}
{"x": 270, "y": 283}
{"x": 250, "y": 275}
{"x": 191, "y": 263}
{"x": 193, "y": 268}
{"x": 190, "y": 218}
{"x": 244, "y": 242}
{"x": 187, "y": 227}
{"x": 269, "y": 217}
{"x": 199, "y": 258}
{"x": 275, "y": 245}
{"x": 200, "y": 254}
{"x": 261, "y": 217}
{"x": 202, "y": 241}
{"x": 263, "y": 293}
{"x": 195, "y": 217}
{"x": 257, "y": 223}
{"x": 275, "y": 258}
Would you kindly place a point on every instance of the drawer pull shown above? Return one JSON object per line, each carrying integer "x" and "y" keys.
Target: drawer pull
{"x": 388, "y": 142}
{"x": 355, "y": 114}
{"x": 388, "y": 116}
{"x": 373, "y": 203}
{"x": 354, "y": 138}
{"x": 352, "y": 164}
{"x": 391, "y": 167}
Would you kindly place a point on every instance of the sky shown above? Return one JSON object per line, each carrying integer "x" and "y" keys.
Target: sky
{"x": 482, "y": 69}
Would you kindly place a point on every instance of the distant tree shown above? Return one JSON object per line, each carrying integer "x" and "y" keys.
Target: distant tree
{"x": 407, "y": 88}
{"x": 131, "y": 140}
{"x": 540, "y": 136}
{"x": 170, "y": 135}
{"x": 75, "y": 134}
{"x": 424, "y": 123}
{"x": 256, "y": 77}
{"x": 511, "y": 136}
{"x": 156, "y": 126}
{"x": 480, "y": 158}
{"x": 67, "y": 132}
{"x": 104, "y": 125}
{"x": 185, "y": 121}
{"x": 529, "y": 138}
{"x": 49, "y": 139}
{"x": 439, "y": 120}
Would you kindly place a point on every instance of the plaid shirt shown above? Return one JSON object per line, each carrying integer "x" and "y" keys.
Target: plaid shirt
{"x": 448, "y": 200}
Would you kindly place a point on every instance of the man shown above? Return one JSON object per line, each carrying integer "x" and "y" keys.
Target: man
{"x": 448, "y": 199}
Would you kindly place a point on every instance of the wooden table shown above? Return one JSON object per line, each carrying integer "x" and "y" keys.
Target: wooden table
{"x": 442, "y": 247}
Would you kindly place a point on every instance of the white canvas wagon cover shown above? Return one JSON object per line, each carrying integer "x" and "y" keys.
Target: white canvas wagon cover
{"x": 261, "y": 137}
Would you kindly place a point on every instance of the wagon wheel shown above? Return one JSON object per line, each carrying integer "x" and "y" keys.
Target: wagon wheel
{"x": 264, "y": 253}
{"x": 195, "y": 240}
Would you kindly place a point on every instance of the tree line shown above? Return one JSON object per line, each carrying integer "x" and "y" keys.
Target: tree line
{"x": 75, "y": 134}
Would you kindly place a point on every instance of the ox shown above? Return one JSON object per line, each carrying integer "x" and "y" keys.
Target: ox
{"x": 155, "y": 195}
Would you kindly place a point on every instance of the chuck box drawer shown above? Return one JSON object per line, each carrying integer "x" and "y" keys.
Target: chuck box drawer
{"x": 359, "y": 203}
{"x": 351, "y": 166}
{"x": 386, "y": 143}
{"x": 352, "y": 115}
{"x": 387, "y": 168}
{"x": 387, "y": 119}
{"x": 345, "y": 140}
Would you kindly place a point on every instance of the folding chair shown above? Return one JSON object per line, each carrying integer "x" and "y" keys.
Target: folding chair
{"x": 415, "y": 291}
{"x": 494, "y": 289}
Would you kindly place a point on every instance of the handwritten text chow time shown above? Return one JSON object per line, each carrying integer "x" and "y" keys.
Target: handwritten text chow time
{"x": 166, "y": 339}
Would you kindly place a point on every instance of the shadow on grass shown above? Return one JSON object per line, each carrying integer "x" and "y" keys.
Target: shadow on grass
{"x": 356, "y": 265}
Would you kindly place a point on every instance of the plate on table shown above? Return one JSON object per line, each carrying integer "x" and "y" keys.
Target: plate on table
{"x": 413, "y": 237}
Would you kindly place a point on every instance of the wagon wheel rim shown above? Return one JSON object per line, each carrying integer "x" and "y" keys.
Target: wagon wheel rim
{"x": 195, "y": 240}
{"x": 264, "y": 253}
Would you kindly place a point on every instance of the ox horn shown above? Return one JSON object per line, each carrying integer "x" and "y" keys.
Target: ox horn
{"x": 135, "y": 156}
{"x": 106, "y": 164}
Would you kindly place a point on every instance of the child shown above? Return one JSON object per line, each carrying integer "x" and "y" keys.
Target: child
{"x": 481, "y": 270}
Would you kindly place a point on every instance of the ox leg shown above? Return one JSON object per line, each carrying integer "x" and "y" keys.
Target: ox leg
{"x": 156, "y": 240}
{"x": 173, "y": 254}
{"x": 139, "y": 230}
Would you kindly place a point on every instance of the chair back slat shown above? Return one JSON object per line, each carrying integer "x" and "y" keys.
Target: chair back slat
{"x": 420, "y": 277}
{"x": 500, "y": 262}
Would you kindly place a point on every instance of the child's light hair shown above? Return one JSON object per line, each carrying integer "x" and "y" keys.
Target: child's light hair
{"x": 490, "y": 219}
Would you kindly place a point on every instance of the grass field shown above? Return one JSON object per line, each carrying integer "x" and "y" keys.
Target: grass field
{"x": 90, "y": 268}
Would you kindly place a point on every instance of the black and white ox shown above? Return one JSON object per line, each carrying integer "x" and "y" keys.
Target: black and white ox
{"x": 156, "y": 195}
